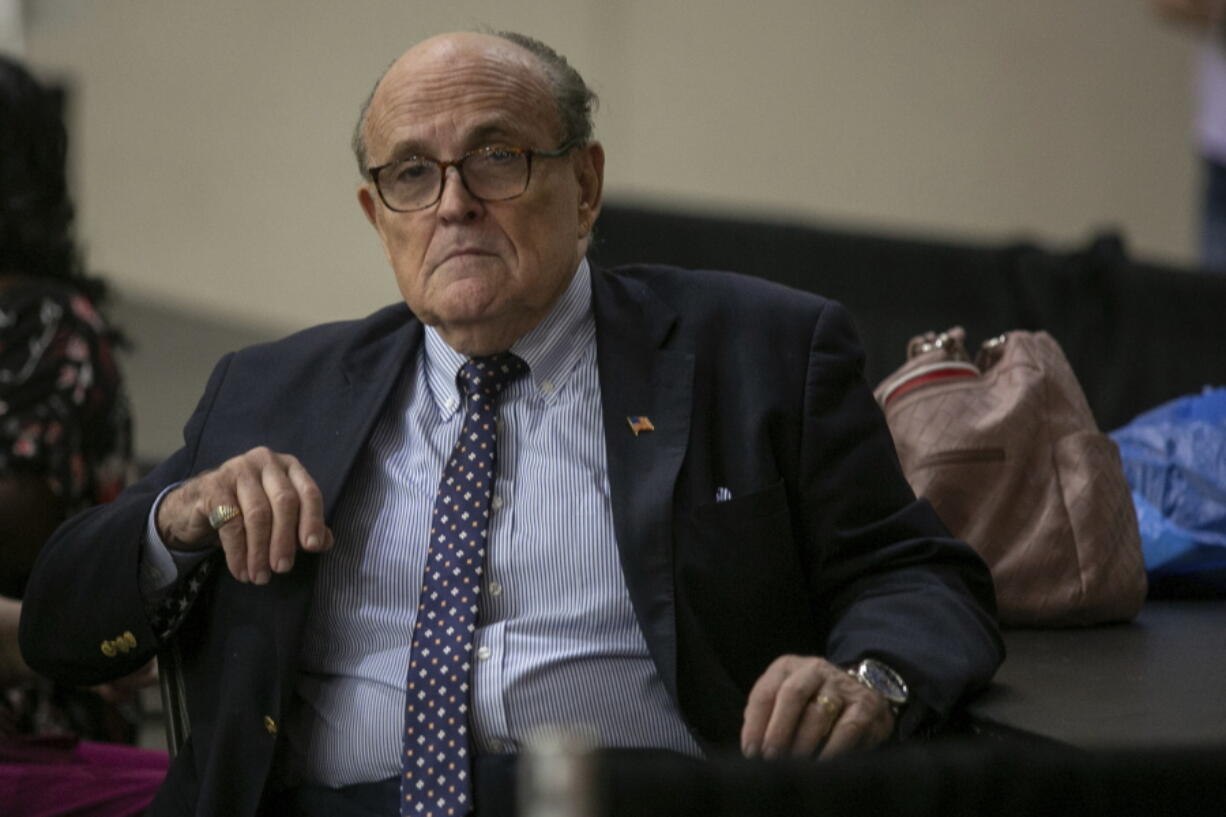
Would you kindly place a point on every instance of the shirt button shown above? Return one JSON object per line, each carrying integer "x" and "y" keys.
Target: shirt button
{"x": 547, "y": 386}
{"x": 450, "y": 404}
{"x": 495, "y": 590}
{"x": 483, "y": 653}
{"x": 496, "y": 502}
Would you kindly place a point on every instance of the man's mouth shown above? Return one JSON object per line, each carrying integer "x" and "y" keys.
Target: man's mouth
{"x": 465, "y": 251}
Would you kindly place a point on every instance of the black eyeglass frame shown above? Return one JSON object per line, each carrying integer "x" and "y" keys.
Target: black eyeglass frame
{"x": 458, "y": 164}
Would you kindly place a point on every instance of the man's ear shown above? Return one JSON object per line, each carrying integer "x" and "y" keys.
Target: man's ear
{"x": 366, "y": 198}
{"x": 370, "y": 206}
{"x": 589, "y": 171}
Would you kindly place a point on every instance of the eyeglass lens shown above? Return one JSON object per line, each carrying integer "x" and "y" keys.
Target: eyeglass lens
{"x": 491, "y": 175}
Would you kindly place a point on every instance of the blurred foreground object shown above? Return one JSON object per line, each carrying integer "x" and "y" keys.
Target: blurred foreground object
{"x": 1206, "y": 18}
{"x": 557, "y": 775}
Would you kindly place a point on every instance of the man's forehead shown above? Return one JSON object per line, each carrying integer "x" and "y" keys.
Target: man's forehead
{"x": 489, "y": 83}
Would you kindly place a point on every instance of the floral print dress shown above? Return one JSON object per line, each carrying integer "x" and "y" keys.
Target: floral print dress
{"x": 63, "y": 417}
{"x": 63, "y": 413}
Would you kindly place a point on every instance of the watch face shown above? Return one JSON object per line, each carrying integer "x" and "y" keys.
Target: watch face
{"x": 885, "y": 680}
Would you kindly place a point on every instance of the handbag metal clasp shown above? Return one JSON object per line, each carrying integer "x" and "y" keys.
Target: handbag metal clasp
{"x": 950, "y": 342}
{"x": 991, "y": 351}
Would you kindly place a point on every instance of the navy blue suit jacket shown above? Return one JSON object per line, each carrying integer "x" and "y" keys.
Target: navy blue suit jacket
{"x": 822, "y": 549}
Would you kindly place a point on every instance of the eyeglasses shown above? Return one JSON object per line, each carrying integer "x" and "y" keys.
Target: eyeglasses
{"x": 489, "y": 174}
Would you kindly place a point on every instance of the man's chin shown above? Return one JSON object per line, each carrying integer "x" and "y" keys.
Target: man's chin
{"x": 468, "y": 305}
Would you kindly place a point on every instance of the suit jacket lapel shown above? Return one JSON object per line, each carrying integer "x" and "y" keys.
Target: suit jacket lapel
{"x": 354, "y": 403}
{"x": 643, "y": 374}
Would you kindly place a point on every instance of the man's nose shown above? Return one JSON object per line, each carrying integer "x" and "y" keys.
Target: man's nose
{"x": 456, "y": 203}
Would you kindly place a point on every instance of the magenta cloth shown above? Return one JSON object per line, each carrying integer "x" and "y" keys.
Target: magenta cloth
{"x": 60, "y": 777}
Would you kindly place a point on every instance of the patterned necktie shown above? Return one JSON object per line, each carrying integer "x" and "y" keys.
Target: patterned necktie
{"x": 435, "y": 782}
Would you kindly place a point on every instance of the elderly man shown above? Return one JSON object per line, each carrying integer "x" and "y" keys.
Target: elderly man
{"x": 658, "y": 503}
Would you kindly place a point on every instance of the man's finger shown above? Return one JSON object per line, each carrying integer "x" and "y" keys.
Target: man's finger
{"x": 312, "y": 533}
{"x": 861, "y": 726}
{"x": 257, "y": 523}
{"x": 819, "y": 716}
{"x": 758, "y": 708}
{"x": 232, "y": 536}
{"x": 284, "y": 501}
{"x": 791, "y": 700}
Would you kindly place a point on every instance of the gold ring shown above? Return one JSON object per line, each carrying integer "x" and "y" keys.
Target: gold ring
{"x": 223, "y": 514}
{"x": 829, "y": 705}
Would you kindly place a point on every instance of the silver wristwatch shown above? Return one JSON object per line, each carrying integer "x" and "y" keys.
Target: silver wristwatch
{"x": 882, "y": 678}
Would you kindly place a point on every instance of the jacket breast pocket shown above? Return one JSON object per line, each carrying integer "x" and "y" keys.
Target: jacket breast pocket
{"x": 741, "y": 574}
{"x": 743, "y": 510}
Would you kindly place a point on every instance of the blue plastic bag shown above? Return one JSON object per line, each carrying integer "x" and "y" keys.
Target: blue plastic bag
{"x": 1175, "y": 461}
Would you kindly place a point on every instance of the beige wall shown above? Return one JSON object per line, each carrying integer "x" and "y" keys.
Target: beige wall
{"x": 976, "y": 116}
{"x": 211, "y": 138}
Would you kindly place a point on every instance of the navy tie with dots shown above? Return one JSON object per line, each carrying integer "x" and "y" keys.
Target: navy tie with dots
{"x": 436, "y": 780}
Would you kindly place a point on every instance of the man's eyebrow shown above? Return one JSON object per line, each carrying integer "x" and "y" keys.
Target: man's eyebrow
{"x": 501, "y": 130}
{"x": 497, "y": 130}
{"x": 407, "y": 148}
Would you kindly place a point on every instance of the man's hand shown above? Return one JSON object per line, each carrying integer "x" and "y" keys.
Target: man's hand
{"x": 282, "y": 510}
{"x": 803, "y": 703}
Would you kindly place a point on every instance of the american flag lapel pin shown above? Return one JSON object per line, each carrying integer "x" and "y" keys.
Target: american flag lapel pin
{"x": 640, "y": 423}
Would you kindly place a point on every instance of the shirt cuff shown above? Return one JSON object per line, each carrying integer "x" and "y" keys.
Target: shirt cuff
{"x": 161, "y": 567}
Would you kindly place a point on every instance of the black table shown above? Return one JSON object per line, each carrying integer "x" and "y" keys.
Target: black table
{"x": 1157, "y": 682}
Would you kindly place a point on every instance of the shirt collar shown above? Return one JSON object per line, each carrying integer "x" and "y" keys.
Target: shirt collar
{"x": 551, "y": 349}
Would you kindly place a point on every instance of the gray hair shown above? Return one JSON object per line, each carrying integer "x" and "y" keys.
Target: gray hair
{"x": 576, "y": 102}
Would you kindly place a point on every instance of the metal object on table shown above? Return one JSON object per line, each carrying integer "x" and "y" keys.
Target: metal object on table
{"x": 557, "y": 774}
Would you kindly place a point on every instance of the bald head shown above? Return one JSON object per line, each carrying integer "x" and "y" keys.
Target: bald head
{"x": 575, "y": 103}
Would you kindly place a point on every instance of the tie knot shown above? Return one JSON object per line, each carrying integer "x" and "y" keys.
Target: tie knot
{"x": 491, "y": 374}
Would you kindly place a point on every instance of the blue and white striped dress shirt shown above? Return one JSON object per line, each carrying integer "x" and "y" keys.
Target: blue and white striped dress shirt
{"x": 558, "y": 641}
